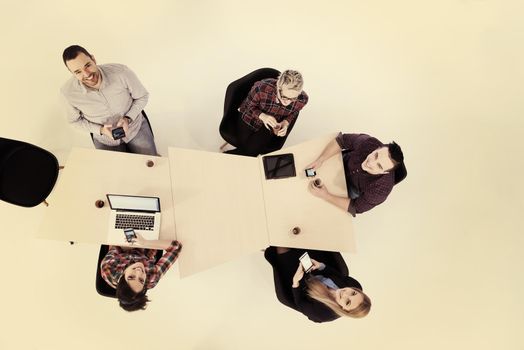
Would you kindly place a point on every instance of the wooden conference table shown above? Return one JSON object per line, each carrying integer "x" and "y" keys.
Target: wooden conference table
{"x": 224, "y": 206}
{"x": 219, "y": 206}
{"x": 87, "y": 177}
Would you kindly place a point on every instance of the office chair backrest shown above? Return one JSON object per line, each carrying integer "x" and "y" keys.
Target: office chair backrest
{"x": 28, "y": 173}
{"x": 101, "y": 285}
{"x": 236, "y": 92}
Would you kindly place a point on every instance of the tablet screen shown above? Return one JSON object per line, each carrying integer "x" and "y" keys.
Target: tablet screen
{"x": 279, "y": 166}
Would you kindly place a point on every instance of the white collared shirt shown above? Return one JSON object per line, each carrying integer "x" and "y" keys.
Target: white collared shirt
{"x": 120, "y": 94}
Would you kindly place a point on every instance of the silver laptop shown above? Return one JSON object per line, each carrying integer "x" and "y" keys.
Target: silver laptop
{"x": 140, "y": 213}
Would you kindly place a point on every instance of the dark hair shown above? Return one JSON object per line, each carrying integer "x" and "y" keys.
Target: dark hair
{"x": 72, "y": 51}
{"x": 128, "y": 299}
{"x": 395, "y": 152}
{"x": 396, "y": 155}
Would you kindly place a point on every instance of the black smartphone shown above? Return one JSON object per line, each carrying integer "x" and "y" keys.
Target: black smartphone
{"x": 118, "y": 133}
{"x": 310, "y": 172}
{"x": 130, "y": 234}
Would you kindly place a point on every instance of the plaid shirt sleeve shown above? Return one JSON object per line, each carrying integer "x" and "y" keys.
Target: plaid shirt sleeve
{"x": 108, "y": 265}
{"x": 250, "y": 107}
{"x": 165, "y": 262}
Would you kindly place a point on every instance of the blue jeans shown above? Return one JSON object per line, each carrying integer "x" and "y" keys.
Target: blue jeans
{"x": 142, "y": 143}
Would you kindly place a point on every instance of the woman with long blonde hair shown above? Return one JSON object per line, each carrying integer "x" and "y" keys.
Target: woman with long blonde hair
{"x": 324, "y": 294}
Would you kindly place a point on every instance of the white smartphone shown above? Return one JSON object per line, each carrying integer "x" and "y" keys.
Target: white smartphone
{"x": 306, "y": 262}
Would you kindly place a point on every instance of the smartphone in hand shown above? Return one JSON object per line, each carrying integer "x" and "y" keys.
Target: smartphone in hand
{"x": 310, "y": 172}
{"x": 306, "y": 262}
{"x": 118, "y": 133}
{"x": 130, "y": 234}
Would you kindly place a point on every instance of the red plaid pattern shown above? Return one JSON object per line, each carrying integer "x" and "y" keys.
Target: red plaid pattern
{"x": 116, "y": 260}
{"x": 263, "y": 99}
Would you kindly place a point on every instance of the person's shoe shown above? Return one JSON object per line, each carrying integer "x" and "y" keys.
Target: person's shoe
{"x": 223, "y": 147}
{"x": 226, "y": 147}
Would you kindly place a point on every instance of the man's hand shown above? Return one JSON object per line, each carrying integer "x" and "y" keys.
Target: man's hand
{"x": 329, "y": 151}
{"x": 283, "y": 128}
{"x": 315, "y": 165}
{"x": 269, "y": 121}
{"x": 320, "y": 192}
{"x": 106, "y": 130}
{"x": 298, "y": 276}
{"x": 123, "y": 122}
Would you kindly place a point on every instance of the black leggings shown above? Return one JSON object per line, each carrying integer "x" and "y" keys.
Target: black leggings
{"x": 251, "y": 143}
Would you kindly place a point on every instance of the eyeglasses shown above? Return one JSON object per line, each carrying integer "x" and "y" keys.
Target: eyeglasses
{"x": 282, "y": 97}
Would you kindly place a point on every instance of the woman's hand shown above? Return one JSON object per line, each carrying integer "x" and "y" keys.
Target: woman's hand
{"x": 317, "y": 265}
{"x": 283, "y": 128}
{"x": 298, "y": 276}
{"x": 269, "y": 121}
{"x": 177, "y": 245}
{"x": 140, "y": 240}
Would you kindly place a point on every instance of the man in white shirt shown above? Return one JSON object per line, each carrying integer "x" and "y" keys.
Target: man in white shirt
{"x": 102, "y": 98}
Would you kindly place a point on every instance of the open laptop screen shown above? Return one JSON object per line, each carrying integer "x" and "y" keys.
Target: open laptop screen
{"x": 134, "y": 203}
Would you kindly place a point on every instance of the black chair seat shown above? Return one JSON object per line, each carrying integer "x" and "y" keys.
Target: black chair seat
{"x": 28, "y": 173}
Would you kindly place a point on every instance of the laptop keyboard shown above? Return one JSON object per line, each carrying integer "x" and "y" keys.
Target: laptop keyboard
{"x": 137, "y": 222}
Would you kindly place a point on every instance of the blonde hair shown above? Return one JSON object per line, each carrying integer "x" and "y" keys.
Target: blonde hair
{"x": 319, "y": 291}
{"x": 292, "y": 79}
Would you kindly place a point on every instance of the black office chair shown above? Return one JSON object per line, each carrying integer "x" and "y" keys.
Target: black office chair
{"x": 236, "y": 93}
{"x": 282, "y": 289}
{"x": 102, "y": 287}
{"x": 28, "y": 173}
{"x": 147, "y": 120}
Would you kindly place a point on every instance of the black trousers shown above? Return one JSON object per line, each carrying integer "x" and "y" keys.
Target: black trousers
{"x": 251, "y": 143}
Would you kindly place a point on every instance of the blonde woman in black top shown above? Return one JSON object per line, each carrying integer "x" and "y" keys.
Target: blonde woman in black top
{"x": 324, "y": 294}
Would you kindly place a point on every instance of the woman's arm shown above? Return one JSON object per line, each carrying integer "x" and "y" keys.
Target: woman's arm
{"x": 161, "y": 244}
{"x": 165, "y": 262}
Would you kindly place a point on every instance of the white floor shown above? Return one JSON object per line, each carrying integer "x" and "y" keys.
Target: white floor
{"x": 441, "y": 258}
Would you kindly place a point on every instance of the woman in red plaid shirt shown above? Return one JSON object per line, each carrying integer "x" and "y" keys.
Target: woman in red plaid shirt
{"x": 269, "y": 109}
{"x": 132, "y": 271}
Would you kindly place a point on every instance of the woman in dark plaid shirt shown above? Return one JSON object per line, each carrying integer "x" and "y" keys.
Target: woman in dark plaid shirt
{"x": 132, "y": 271}
{"x": 269, "y": 109}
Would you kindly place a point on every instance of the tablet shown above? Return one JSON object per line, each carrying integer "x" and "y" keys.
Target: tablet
{"x": 279, "y": 166}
